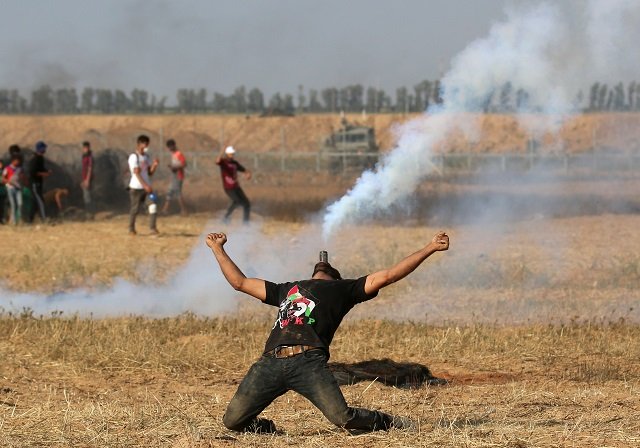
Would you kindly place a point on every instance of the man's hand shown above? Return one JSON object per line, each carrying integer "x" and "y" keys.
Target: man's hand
{"x": 440, "y": 241}
{"x": 253, "y": 286}
{"x": 216, "y": 239}
{"x": 400, "y": 270}
{"x": 147, "y": 188}
{"x": 247, "y": 175}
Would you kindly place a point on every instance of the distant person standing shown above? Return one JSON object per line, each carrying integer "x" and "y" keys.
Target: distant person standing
{"x": 140, "y": 191}
{"x": 13, "y": 178}
{"x": 177, "y": 165}
{"x": 87, "y": 177}
{"x": 229, "y": 168}
{"x": 3, "y": 195}
{"x": 37, "y": 173}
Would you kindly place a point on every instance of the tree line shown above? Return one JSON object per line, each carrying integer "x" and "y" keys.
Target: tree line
{"x": 351, "y": 98}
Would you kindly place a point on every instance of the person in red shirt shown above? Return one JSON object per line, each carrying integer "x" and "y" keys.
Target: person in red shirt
{"x": 13, "y": 178}
{"x": 87, "y": 176}
{"x": 3, "y": 195}
{"x": 177, "y": 165}
{"x": 229, "y": 168}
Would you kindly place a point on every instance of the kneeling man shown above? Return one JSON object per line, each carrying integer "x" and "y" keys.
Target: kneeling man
{"x": 297, "y": 350}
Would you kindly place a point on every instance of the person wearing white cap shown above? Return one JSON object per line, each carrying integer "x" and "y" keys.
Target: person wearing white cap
{"x": 229, "y": 168}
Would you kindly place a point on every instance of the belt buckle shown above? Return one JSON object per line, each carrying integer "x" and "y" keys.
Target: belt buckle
{"x": 284, "y": 351}
{"x": 279, "y": 350}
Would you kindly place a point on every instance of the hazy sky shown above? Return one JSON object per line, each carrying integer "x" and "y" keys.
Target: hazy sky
{"x": 272, "y": 44}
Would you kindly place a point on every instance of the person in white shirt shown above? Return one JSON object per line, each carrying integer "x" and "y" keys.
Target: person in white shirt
{"x": 140, "y": 191}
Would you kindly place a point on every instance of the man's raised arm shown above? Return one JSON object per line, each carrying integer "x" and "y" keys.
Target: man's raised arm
{"x": 253, "y": 286}
{"x": 385, "y": 277}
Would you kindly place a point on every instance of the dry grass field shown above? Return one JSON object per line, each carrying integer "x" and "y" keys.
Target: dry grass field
{"x": 535, "y": 324}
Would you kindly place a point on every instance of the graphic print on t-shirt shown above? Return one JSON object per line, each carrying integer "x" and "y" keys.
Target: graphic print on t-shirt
{"x": 295, "y": 309}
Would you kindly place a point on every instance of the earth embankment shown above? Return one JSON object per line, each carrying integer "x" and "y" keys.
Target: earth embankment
{"x": 492, "y": 133}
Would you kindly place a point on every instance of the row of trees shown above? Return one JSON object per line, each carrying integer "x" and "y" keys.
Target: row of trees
{"x": 46, "y": 100}
{"x": 618, "y": 98}
{"x": 351, "y": 98}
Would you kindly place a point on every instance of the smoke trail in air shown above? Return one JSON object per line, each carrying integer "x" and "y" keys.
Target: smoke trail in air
{"x": 548, "y": 54}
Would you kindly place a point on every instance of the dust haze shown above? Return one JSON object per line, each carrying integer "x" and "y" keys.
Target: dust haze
{"x": 162, "y": 46}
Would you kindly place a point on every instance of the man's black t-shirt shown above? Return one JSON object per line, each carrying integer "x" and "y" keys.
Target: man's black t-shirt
{"x": 311, "y": 310}
{"x": 36, "y": 165}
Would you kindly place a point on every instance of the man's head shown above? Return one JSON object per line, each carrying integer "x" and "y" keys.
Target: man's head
{"x": 86, "y": 147}
{"x": 142, "y": 143}
{"x": 324, "y": 271}
{"x": 16, "y": 160}
{"x": 14, "y": 149}
{"x": 171, "y": 145}
{"x": 229, "y": 152}
{"x": 41, "y": 147}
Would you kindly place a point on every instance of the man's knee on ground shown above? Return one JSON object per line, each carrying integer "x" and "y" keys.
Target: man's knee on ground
{"x": 232, "y": 422}
{"x": 340, "y": 417}
{"x": 257, "y": 425}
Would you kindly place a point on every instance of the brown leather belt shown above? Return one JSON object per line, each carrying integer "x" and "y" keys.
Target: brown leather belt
{"x": 287, "y": 351}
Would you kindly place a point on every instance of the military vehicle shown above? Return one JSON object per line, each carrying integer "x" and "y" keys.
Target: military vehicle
{"x": 352, "y": 147}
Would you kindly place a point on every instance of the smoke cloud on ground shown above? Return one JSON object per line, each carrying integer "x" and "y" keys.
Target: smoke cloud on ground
{"x": 541, "y": 49}
{"x": 198, "y": 286}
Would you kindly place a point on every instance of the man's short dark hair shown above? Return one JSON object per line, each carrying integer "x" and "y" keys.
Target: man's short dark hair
{"x": 171, "y": 143}
{"x": 327, "y": 269}
{"x": 144, "y": 139}
{"x": 14, "y": 149}
{"x": 86, "y": 144}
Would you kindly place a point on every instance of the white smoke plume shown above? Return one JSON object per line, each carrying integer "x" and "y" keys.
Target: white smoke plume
{"x": 198, "y": 286}
{"x": 547, "y": 50}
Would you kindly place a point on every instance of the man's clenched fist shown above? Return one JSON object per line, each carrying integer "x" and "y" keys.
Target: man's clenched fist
{"x": 216, "y": 239}
{"x": 440, "y": 241}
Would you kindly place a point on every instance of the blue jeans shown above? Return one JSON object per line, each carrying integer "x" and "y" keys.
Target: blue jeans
{"x": 38, "y": 202}
{"x": 86, "y": 198}
{"x": 306, "y": 374}
{"x": 15, "y": 204}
